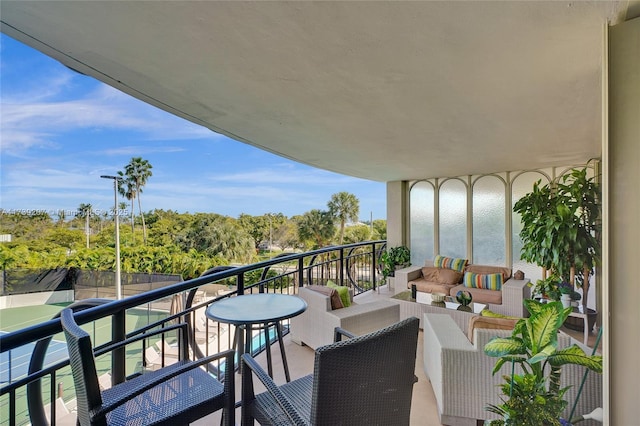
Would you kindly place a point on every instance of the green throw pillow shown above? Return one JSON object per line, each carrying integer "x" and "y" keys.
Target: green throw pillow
{"x": 342, "y": 291}
{"x": 491, "y": 314}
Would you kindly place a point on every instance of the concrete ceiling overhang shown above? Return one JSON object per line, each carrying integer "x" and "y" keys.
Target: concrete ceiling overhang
{"x": 379, "y": 90}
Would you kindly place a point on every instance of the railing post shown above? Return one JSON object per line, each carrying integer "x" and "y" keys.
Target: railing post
{"x": 118, "y": 358}
{"x": 341, "y": 266}
{"x": 240, "y": 283}
{"x": 301, "y": 272}
{"x": 373, "y": 265}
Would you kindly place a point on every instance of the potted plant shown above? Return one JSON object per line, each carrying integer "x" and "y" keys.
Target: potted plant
{"x": 561, "y": 228}
{"x": 394, "y": 258}
{"x": 535, "y": 397}
{"x": 566, "y": 291}
{"x": 547, "y": 288}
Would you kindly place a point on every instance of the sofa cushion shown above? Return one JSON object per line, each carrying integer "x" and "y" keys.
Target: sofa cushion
{"x": 336, "y": 303}
{"x": 490, "y": 323}
{"x": 487, "y": 269}
{"x": 456, "y": 264}
{"x": 485, "y": 281}
{"x": 440, "y": 275}
{"x": 343, "y": 292}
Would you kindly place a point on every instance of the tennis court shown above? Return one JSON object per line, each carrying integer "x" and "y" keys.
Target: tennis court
{"x": 14, "y": 364}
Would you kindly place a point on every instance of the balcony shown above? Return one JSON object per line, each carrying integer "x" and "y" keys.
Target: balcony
{"x": 23, "y": 395}
{"x": 353, "y": 265}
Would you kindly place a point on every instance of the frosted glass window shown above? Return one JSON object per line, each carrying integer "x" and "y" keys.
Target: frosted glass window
{"x": 522, "y": 185}
{"x": 421, "y": 223}
{"x": 453, "y": 218}
{"x": 489, "y": 221}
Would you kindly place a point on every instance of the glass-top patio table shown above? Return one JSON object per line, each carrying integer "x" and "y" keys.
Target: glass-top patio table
{"x": 265, "y": 310}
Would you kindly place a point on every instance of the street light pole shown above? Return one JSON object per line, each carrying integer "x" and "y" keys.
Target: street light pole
{"x": 270, "y": 235}
{"x": 115, "y": 214}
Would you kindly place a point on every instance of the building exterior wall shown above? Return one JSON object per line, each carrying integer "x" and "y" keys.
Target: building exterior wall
{"x": 397, "y": 213}
{"x": 621, "y": 171}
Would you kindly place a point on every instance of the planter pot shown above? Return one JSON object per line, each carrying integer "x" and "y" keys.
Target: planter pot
{"x": 578, "y": 325}
{"x": 566, "y": 300}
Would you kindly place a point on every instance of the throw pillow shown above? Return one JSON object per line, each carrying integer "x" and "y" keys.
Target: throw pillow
{"x": 490, "y": 323}
{"x": 449, "y": 276}
{"x": 343, "y": 292}
{"x": 484, "y": 281}
{"x": 336, "y": 303}
{"x": 487, "y": 269}
{"x": 430, "y": 273}
{"x": 456, "y": 264}
{"x": 442, "y": 276}
{"x": 491, "y": 314}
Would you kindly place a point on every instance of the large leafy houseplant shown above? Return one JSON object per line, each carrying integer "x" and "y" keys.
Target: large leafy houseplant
{"x": 394, "y": 257}
{"x": 561, "y": 227}
{"x": 535, "y": 398}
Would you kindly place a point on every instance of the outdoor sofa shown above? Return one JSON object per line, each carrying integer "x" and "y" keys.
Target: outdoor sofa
{"x": 491, "y": 285}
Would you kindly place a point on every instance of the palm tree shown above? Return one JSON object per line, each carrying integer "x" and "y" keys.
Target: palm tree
{"x": 127, "y": 188}
{"x": 316, "y": 227}
{"x": 344, "y": 206}
{"x": 138, "y": 171}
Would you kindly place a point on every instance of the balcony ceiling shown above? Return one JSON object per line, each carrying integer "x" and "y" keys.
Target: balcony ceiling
{"x": 378, "y": 90}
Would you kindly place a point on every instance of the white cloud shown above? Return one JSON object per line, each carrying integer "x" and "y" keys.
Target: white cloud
{"x": 35, "y": 186}
{"x": 38, "y": 120}
{"x": 284, "y": 174}
{"x": 138, "y": 150}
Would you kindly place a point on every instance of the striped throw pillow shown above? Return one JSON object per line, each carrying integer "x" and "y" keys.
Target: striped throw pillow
{"x": 450, "y": 263}
{"x": 485, "y": 281}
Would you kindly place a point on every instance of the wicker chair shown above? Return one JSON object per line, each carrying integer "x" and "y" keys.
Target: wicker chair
{"x": 315, "y": 326}
{"x": 365, "y": 380}
{"x": 462, "y": 378}
{"x": 177, "y": 394}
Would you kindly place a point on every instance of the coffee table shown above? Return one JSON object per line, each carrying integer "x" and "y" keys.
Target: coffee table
{"x": 424, "y": 304}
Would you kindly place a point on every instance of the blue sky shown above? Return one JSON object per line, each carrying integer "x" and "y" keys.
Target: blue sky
{"x": 60, "y": 131}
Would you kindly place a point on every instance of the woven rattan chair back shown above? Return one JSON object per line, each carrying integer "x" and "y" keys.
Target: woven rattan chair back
{"x": 366, "y": 380}
{"x": 83, "y": 369}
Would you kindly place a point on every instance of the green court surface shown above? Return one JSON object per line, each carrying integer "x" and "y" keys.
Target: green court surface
{"x": 12, "y": 319}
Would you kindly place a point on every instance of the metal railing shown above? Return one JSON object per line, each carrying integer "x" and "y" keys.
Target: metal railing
{"x": 353, "y": 265}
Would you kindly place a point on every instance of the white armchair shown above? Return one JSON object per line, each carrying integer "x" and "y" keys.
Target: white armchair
{"x": 460, "y": 373}
{"x": 315, "y": 327}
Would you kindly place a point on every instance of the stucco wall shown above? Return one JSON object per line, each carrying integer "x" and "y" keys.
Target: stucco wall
{"x": 622, "y": 178}
{"x": 396, "y": 213}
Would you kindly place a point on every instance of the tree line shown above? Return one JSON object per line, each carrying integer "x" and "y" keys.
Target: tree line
{"x": 165, "y": 241}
